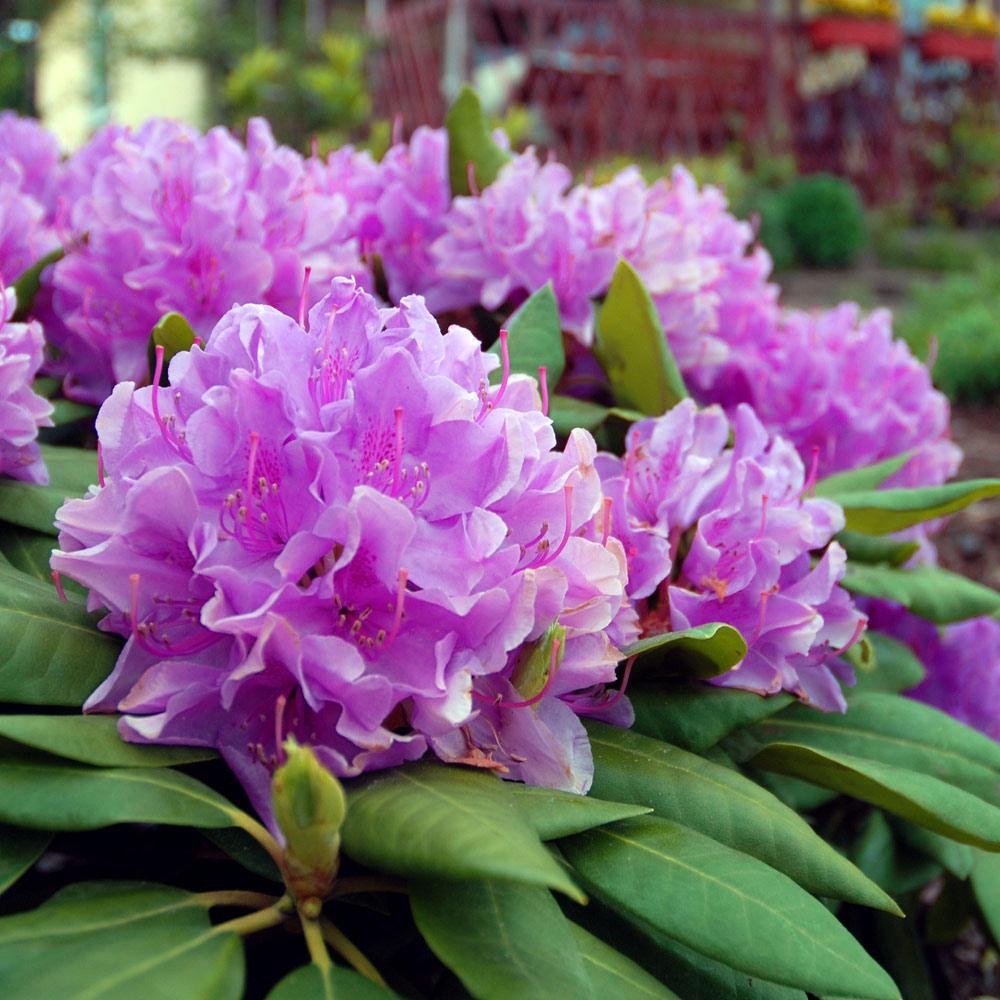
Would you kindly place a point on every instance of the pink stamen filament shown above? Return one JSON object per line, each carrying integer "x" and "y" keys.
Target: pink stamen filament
{"x": 543, "y": 384}
{"x": 763, "y": 516}
{"x": 279, "y": 721}
{"x": 568, "y": 529}
{"x": 252, "y": 465}
{"x": 810, "y": 483}
{"x": 606, "y": 526}
{"x": 100, "y": 464}
{"x": 57, "y": 580}
{"x": 304, "y": 296}
{"x": 765, "y": 596}
{"x": 611, "y": 702}
{"x": 498, "y": 701}
{"x": 397, "y": 460}
{"x": 397, "y": 618}
{"x": 505, "y": 356}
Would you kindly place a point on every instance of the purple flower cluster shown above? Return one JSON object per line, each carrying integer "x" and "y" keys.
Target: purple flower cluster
{"x": 715, "y": 533}
{"x": 841, "y": 387}
{"x": 962, "y": 663}
{"x": 347, "y": 535}
{"x": 165, "y": 218}
{"x": 29, "y": 161}
{"x": 22, "y": 410}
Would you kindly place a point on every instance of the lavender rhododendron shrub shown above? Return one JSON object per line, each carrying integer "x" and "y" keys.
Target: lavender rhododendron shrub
{"x": 727, "y": 534}
{"x": 346, "y": 535}
{"x": 22, "y": 410}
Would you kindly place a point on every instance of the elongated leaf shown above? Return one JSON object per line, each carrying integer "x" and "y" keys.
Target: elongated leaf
{"x": 955, "y": 858}
{"x": 518, "y": 944}
{"x": 986, "y": 886}
{"x": 696, "y": 716}
{"x": 879, "y": 512}
{"x": 334, "y": 983}
{"x": 71, "y": 472}
{"x": 470, "y": 142}
{"x": 728, "y": 807}
{"x": 50, "y": 651}
{"x": 108, "y": 941}
{"x": 92, "y": 739}
{"x": 27, "y": 285}
{"x": 67, "y": 411}
{"x": 535, "y": 339}
{"x": 896, "y": 667}
{"x": 897, "y": 731}
{"x": 19, "y": 850}
{"x": 567, "y": 413}
{"x": 868, "y": 477}
{"x": 553, "y": 814}
{"x": 894, "y": 867}
{"x": 28, "y": 551}
{"x": 436, "y": 821}
{"x": 614, "y": 975}
{"x": 702, "y": 651}
{"x": 67, "y": 797}
{"x": 242, "y": 848}
{"x": 632, "y": 347}
{"x": 924, "y": 800}
{"x": 928, "y": 591}
{"x": 725, "y": 905}
{"x": 876, "y": 549}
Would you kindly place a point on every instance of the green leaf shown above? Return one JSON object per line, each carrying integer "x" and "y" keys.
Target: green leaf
{"x": 696, "y": 716}
{"x": 27, "y": 551}
{"x": 986, "y": 886}
{"x": 439, "y": 821}
{"x": 19, "y": 850}
{"x": 71, "y": 472}
{"x": 534, "y": 339}
{"x": 879, "y": 512}
{"x": 614, "y": 975}
{"x": 117, "y": 941}
{"x": 954, "y": 858}
{"x": 894, "y": 730}
{"x": 48, "y": 796}
{"x": 868, "y": 477}
{"x": 568, "y": 413}
{"x": 50, "y": 651}
{"x": 244, "y": 850}
{"x": 552, "y": 814}
{"x": 68, "y": 411}
{"x": 728, "y": 807}
{"x": 891, "y": 865}
{"x": 469, "y": 141}
{"x": 699, "y": 652}
{"x": 924, "y": 800}
{"x": 174, "y": 334}
{"x": 93, "y": 739}
{"x": 632, "y": 347}
{"x": 45, "y": 386}
{"x": 896, "y": 667}
{"x": 30, "y": 281}
{"x": 334, "y": 983}
{"x": 930, "y": 592}
{"x": 725, "y": 905}
{"x": 534, "y": 662}
{"x": 504, "y": 940}
{"x": 876, "y": 549}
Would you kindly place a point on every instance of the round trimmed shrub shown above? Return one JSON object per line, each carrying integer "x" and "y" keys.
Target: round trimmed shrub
{"x": 825, "y": 220}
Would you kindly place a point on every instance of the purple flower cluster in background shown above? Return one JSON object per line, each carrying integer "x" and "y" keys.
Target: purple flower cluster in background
{"x": 22, "y": 410}
{"x": 727, "y": 534}
{"x": 347, "y": 535}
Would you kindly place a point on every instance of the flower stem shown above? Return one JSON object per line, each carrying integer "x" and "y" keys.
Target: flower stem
{"x": 314, "y": 941}
{"x": 367, "y": 883}
{"x": 236, "y": 897}
{"x": 253, "y": 922}
{"x": 349, "y": 952}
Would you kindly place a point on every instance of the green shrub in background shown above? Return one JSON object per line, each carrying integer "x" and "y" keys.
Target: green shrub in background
{"x": 825, "y": 220}
{"x": 769, "y": 209}
{"x": 962, "y": 313}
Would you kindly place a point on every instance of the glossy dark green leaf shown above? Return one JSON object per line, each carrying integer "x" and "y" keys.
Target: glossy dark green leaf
{"x": 725, "y": 905}
{"x": 535, "y": 339}
{"x": 699, "y": 652}
{"x": 868, "y": 477}
{"x": 875, "y": 548}
{"x": 986, "y": 886}
{"x": 470, "y": 142}
{"x": 504, "y": 940}
{"x": 928, "y": 591}
{"x": 27, "y": 285}
{"x": 243, "y": 849}
{"x": 52, "y": 796}
{"x": 335, "y": 983}
{"x": 71, "y": 472}
{"x": 568, "y": 413}
{"x": 552, "y": 814}
{"x": 613, "y": 975}
{"x": 28, "y": 551}
{"x": 896, "y": 667}
{"x": 632, "y": 347}
{"x": 920, "y": 798}
{"x": 19, "y": 850}
{"x": 696, "y": 716}
{"x": 117, "y": 941}
{"x": 50, "y": 650}
{"x": 880, "y": 512}
{"x": 892, "y": 865}
{"x": 726, "y": 806}
{"x": 955, "y": 858}
{"x": 92, "y": 739}
{"x": 438, "y": 821}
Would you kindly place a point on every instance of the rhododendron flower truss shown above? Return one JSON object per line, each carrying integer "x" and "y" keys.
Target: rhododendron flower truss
{"x": 730, "y": 534}
{"x": 346, "y": 534}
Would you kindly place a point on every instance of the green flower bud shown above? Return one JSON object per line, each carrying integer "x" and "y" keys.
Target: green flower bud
{"x": 309, "y": 806}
